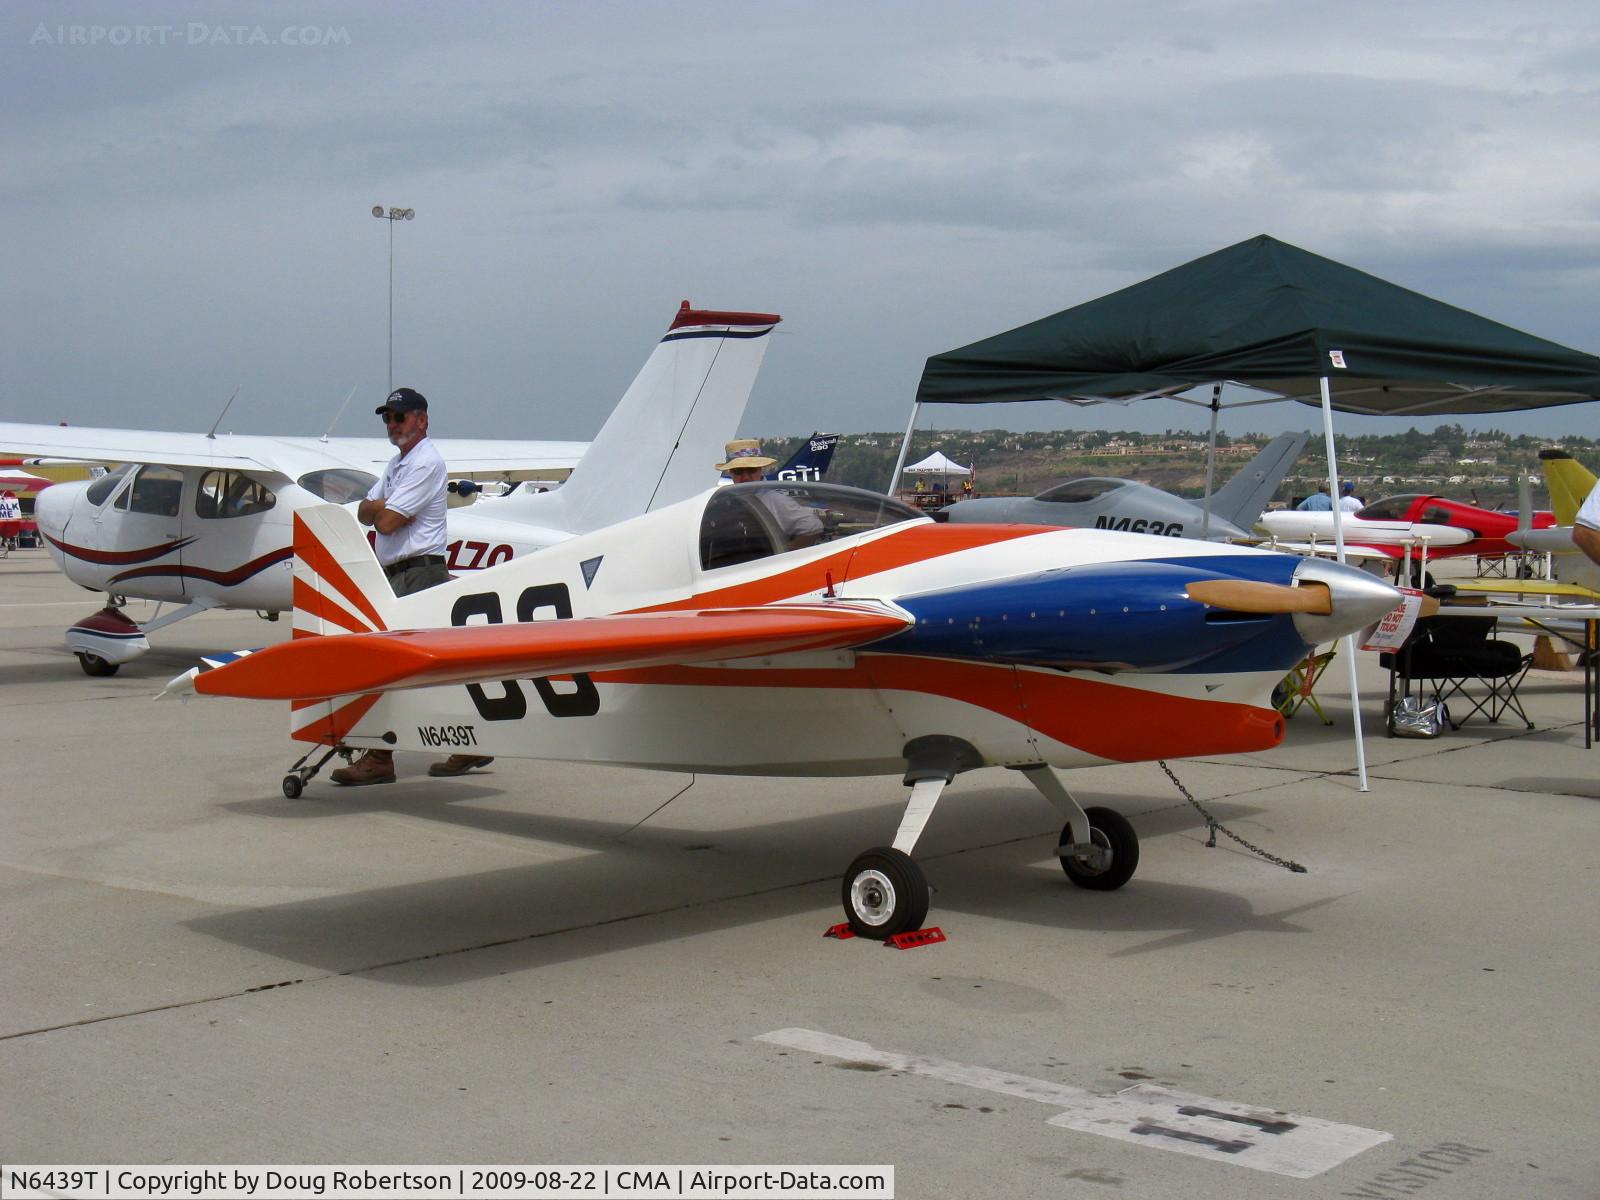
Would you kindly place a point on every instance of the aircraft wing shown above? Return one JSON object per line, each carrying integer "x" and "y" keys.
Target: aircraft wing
{"x": 315, "y": 668}
{"x": 1527, "y": 587}
{"x": 289, "y": 456}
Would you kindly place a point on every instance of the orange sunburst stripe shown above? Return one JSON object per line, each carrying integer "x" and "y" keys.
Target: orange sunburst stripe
{"x": 332, "y": 729}
{"x": 308, "y": 599}
{"x": 1123, "y": 724}
{"x": 918, "y": 543}
{"x": 315, "y": 555}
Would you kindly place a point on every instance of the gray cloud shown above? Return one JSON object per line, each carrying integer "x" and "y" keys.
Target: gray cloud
{"x": 897, "y": 178}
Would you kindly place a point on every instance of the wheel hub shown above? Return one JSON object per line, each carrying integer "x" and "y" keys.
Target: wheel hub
{"x": 872, "y": 897}
{"x": 1101, "y": 856}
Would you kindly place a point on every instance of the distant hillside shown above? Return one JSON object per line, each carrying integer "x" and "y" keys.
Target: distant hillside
{"x": 1482, "y": 466}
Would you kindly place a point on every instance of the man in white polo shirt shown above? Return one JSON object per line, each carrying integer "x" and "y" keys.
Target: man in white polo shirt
{"x": 407, "y": 508}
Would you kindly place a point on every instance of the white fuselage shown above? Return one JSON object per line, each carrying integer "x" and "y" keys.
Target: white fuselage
{"x": 182, "y": 546}
{"x": 836, "y": 712}
{"x": 1292, "y": 525}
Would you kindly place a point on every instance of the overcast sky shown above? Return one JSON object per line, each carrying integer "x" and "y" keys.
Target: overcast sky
{"x": 895, "y": 177}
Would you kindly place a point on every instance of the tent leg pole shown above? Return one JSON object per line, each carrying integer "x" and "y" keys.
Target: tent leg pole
{"x": 1338, "y": 541}
{"x": 905, "y": 445}
{"x": 1211, "y": 460}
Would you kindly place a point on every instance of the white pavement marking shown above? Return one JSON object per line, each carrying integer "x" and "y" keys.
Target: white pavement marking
{"x": 1158, "y": 1117}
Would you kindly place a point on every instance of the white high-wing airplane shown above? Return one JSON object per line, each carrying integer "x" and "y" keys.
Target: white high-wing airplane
{"x": 205, "y": 522}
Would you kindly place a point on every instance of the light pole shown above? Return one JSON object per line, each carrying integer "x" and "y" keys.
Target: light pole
{"x": 392, "y": 215}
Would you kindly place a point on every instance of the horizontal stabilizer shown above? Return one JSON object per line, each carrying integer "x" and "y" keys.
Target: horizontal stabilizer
{"x": 315, "y": 668}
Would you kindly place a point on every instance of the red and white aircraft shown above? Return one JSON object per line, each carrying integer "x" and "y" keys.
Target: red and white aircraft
{"x": 204, "y": 522}
{"x": 695, "y": 638}
{"x": 1401, "y": 526}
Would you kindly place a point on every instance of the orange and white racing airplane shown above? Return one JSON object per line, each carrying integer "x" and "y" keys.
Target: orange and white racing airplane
{"x": 702, "y": 637}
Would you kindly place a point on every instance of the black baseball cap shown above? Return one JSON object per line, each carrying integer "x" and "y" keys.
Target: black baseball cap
{"x": 404, "y": 400}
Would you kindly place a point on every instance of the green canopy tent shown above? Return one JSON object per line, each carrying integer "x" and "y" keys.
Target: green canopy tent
{"x": 1276, "y": 318}
{"x": 1286, "y": 323}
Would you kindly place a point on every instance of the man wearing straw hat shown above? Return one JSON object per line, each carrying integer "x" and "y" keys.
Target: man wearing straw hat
{"x": 744, "y": 464}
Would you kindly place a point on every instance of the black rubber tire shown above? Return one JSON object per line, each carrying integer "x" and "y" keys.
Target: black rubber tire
{"x": 293, "y": 785}
{"x": 93, "y": 664}
{"x": 1111, "y": 829}
{"x": 884, "y": 893}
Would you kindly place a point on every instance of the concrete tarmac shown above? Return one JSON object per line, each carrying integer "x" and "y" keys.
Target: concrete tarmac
{"x": 509, "y": 968}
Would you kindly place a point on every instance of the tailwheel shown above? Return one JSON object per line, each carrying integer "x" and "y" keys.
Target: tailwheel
{"x": 885, "y": 893}
{"x": 1115, "y": 853}
{"x": 93, "y": 664}
{"x": 295, "y": 780}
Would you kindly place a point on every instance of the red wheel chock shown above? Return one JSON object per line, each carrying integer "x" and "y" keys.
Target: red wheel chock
{"x": 909, "y": 940}
{"x": 913, "y": 938}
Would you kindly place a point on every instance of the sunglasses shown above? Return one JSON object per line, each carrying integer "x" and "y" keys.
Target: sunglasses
{"x": 394, "y": 418}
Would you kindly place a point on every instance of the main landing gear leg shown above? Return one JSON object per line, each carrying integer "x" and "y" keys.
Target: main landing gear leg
{"x": 1099, "y": 849}
{"x": 884, "y": 891}
{"x": 299, "y": 775}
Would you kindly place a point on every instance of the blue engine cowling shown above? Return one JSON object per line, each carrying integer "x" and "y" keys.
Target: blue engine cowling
{"x": 1122, "y": 616}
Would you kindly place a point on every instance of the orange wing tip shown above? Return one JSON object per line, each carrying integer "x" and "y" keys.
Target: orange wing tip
{"x": 188, "y": 684}
{"x": 179, "y": 686}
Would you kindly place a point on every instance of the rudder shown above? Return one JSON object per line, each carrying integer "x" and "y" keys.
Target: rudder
{"x": 1568, "y": 483}
{"x": 338, "y": 585}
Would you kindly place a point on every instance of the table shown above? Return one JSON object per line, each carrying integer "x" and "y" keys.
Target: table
{"x": 1541, "y": 617}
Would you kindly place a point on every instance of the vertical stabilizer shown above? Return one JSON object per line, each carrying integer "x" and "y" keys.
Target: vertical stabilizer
{"x": 1568, "y": 483}
{"x": 338, "y": 585}
{"x": 810, "y": 462}
{"x": 660, "y": 442}
{"x": 338, "y": 588}
{"x": 1243, "y": 497}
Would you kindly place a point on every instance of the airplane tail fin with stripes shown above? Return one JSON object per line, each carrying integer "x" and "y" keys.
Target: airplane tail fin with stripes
{"x": 338, "y": 585}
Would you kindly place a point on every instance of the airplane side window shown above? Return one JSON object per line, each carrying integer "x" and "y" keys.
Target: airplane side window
{"x": 1434, "y": 515}
{"x": 231, "y": 494}
{"x": 748, "y": 520}
{"x": 1076, "y": 491}
{"x": 98, "y": 492}
{"x": 733, "y": 531}
{"x": 156, "y": 491}
{"x": 338, "y": 485}
{"x": 1391, "y": 509}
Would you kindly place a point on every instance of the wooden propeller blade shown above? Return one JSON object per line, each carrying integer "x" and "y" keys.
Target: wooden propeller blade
{"x": 1430, "y": 605}
{"x": 1243, "y": 595}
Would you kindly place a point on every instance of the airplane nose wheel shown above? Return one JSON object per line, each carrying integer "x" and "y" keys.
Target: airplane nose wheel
{"x": 884, "y": 893}
{"x": 93, "y": 664}
{"x": 1114, "y": 858}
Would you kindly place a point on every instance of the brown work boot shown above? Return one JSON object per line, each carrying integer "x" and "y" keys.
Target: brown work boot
{"x": 459, "y": 764}
{"x": 375, "y": 766}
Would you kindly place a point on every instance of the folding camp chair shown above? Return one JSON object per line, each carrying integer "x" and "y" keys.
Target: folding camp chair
{"x": 1455, "y": 657}
{"x": 1298, "y": 688}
